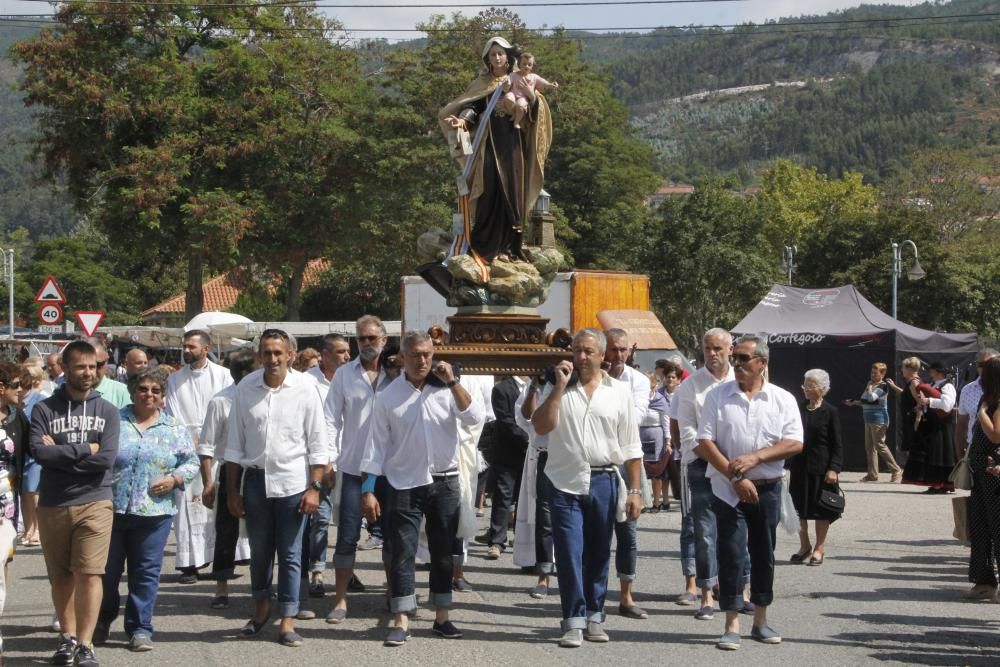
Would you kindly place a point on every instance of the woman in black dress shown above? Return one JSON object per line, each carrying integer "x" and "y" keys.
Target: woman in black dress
{"x": 984, "y": 502}
{"x": 929, "y": 424}
{"x": 816, "y": 466}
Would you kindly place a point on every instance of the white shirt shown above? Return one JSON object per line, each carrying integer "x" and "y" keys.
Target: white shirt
{"x": 539, "y": 442}
{"x": 947, "y": 400}
{"x": 415, "y": 433}
{"x": 316, "y": 373}
{"x": 968, "y": 404}
{"x": 638, "y": 384}
{"x": 188, "y": 392}
{"x": 215, "y": 432}
{"x": 739, "y": 425}
{"x": 591, "y": 433}
{"x": 348, "y": 413}
{"x": 686, "y": 406}
{"x": 278, "y": 430}
{"x": 481, "y": 386}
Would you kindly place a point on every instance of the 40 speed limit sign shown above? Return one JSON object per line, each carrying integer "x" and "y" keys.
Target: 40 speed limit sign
{"x": 50, "y": 313}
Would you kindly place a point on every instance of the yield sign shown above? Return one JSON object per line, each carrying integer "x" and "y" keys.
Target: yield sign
{"x": 50, "y": 292}
{"x": 89, "y": 320}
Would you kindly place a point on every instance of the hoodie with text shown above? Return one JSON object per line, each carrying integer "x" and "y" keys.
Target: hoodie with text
{"x": 71, "y": 475}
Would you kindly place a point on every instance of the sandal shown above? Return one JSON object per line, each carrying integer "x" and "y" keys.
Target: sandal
{"x": 816, "y": 560}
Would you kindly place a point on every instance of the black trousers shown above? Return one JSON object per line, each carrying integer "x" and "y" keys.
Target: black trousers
{"x": 544, "y": 547}
{"x": 227, "y": 533}
{"x": 506, "y": 483}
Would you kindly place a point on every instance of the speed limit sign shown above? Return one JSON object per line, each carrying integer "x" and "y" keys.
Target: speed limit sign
{"x": 50, "y": 313}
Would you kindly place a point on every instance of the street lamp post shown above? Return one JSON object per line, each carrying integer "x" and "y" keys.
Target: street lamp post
{"x": 915, "y": 272}
{"x": 788, "y": 261}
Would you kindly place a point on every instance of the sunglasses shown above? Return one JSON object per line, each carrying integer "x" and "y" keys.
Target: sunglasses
{"x": 156, "y": 391}
{"x": 742, "y": 358}
{"x": 368, "y": 339}
{"x": 13, "y": 385}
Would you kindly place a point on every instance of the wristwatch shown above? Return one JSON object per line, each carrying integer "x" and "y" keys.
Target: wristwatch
{"x": 452, "y": 384}
{"x": 635, "y": 492}
{"x": 316, "y": 486}
{"x": 738, "y": 477}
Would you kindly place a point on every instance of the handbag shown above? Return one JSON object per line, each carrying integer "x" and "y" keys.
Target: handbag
{"x": 961, "y": 475}
{"x": 831, "y": 499}
{"x": 960, "y": 512}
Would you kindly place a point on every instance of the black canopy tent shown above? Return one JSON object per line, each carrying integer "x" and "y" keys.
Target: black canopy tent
{"x": 839, "y": 330}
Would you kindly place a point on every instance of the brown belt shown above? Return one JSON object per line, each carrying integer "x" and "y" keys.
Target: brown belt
{"x": 762, "y": 482}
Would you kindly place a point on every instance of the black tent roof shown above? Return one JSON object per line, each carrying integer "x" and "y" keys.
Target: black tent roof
{"x": 843, "y": 311}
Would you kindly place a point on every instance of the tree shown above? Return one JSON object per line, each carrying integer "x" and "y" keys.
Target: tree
{"x": 707, "y": 262}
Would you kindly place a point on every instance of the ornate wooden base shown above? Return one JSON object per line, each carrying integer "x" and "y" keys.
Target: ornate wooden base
{"x": 499, "y": 344}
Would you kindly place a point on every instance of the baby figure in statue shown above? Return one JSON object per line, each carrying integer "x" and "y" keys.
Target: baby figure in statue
{"x": 521, "y": 87}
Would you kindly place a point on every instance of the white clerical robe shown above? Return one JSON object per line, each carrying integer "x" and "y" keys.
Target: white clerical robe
{"x": 188, "y": 393}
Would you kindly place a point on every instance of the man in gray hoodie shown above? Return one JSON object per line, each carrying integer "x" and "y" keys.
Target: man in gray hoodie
{"x": 74, "y": 437}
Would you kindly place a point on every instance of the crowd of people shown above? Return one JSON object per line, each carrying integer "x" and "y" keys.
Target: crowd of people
{"x": 251, "y": 462}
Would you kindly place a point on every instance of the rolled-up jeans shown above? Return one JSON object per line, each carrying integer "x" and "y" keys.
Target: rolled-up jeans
{"x": 626, "y": 546}
{"x": 705, "y": 527}
{"x": 316, "y": 536}
{"x": 273, "y": 525}
{"x": 748, "y": 527}
{"x": 348, "y": 522}
{"x": 582, "y": 526}
{"x": 687, "y": 546}
{"x": 703, "y": 521}
{"x": 439, "y": 503}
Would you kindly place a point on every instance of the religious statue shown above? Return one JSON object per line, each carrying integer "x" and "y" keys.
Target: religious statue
{"x": 501, "y": 145}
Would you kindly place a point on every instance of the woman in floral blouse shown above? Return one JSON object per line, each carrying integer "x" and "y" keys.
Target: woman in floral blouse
{"x": 155, "y": 456}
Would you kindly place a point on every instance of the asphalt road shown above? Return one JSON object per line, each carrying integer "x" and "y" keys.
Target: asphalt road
{"x": 888, "y": 593}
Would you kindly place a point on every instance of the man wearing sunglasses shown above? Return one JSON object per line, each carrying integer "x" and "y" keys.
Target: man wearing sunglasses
{"x": 748, "y": 428}
{"x": 348, "y": 412}
{"x": 110, "y": 390}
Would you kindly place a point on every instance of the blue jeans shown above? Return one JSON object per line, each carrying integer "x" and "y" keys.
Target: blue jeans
{"x": 381, "y": 492}
{"x": 349, "y": 522}
{"x": 581, "y": 531}
{"x": 687, "y": 546}
{"x": 438, "y": 503}
{"x": 273, "y": 524}
{"x": 746, "y": 527}
{"x": 626, "y": 547}
{"x": 140, "y": 541}
{"x": 315, "y": 538}
{"x": 703, "y": 520}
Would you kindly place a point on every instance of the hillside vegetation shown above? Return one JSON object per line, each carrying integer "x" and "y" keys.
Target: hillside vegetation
{"x": 875, "y": 84}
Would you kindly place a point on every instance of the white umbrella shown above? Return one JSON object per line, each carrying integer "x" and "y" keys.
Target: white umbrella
{"x": 213, "y": 318}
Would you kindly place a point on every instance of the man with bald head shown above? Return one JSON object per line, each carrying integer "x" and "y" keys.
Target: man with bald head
{"x": 136, "y": 362}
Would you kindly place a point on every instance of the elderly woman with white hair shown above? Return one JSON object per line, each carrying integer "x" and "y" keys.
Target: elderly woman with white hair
{"x": 816, "y": 467}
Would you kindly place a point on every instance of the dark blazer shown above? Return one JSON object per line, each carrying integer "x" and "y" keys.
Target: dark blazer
{"x": 510, "y": 442}
{"x": 823, "y": 449}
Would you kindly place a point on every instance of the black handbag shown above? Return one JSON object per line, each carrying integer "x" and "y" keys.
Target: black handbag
{"x": 831, "y": 498}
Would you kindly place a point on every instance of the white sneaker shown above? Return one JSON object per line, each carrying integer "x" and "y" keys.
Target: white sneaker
{"x": 371, "y": 543}
{"x": 595, "y": 633}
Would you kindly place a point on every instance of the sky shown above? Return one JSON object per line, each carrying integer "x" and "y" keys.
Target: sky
{"x": 595, "y": 18}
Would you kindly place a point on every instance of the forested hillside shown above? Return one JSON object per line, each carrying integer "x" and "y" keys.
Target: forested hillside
{"x": 871, "y": 85}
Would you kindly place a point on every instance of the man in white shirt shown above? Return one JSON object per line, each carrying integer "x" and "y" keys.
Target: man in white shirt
{"x": 748, "y": 428}
{"x": 334, "y": 352}
{"x": 188, "y": 392}
{"x": 348, "y": 412}
{"x": 588, "y": 419}
{"x": 415, "y": 443}
{"x": 278, "y": 437}
{"x": 968, "y": 404}
{"x": 626, "y": 536}
{"x": 697, "y": 518}
{"x": 229, "y": 548}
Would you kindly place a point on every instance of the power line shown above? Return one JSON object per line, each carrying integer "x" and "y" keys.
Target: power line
{"x": 845, "y": 25}
{"x": 297, "y": 3}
